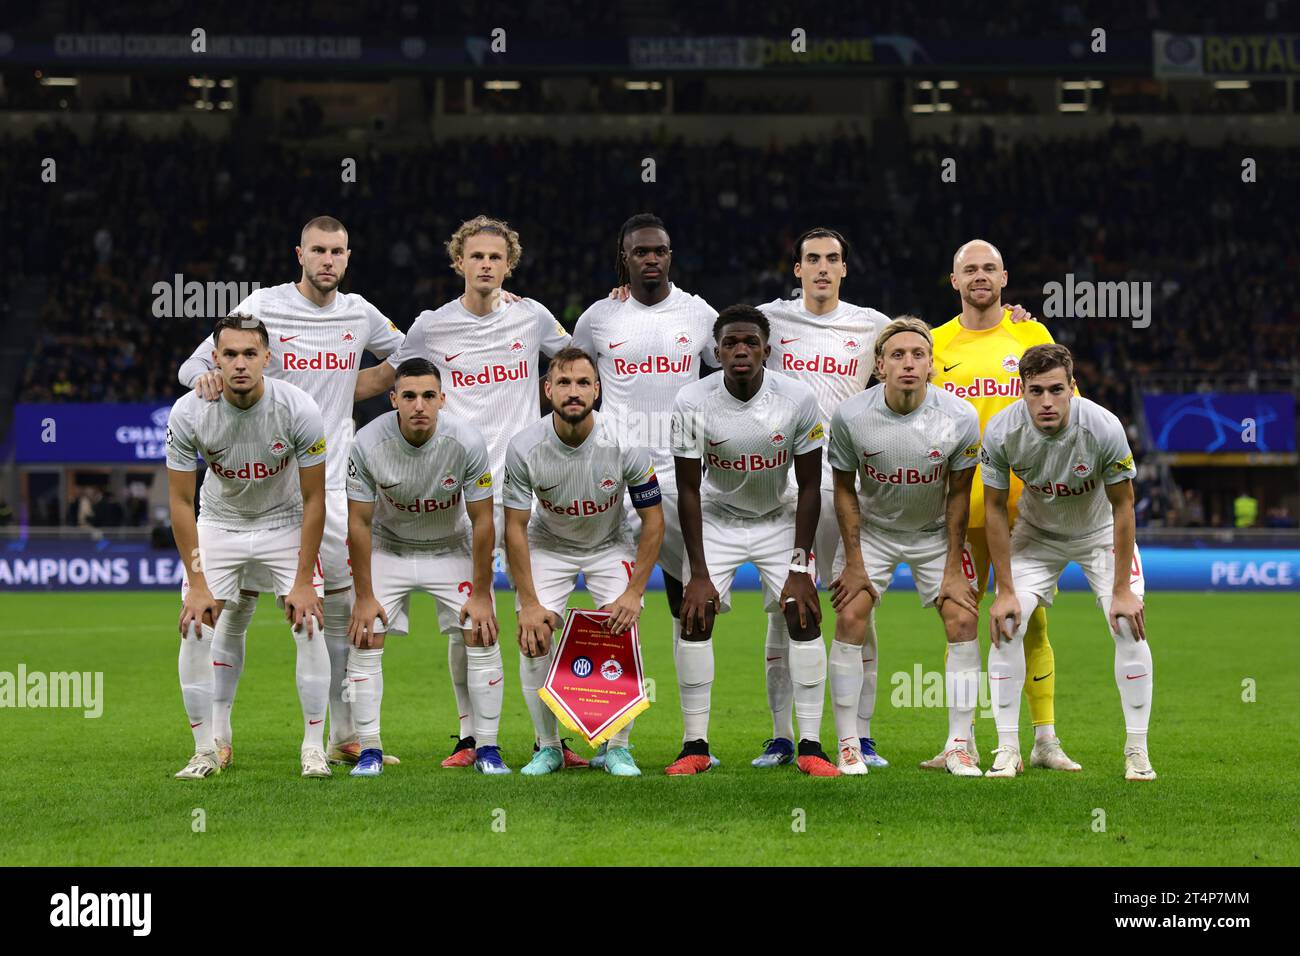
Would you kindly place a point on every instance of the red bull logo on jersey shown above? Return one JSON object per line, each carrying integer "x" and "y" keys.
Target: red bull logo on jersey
{"x": 608, "y": 484}
{"x": 748, "y": 462}
{"x": 852, "y": 346}
{"x": 1081, "y": 470}
{"x": 777, "y": 439}
{"x": 320, "y": 362}
{"x": 249, "y": 471}
{"x": 279, "y": 447}
{"x": 422, "y": 505}
{"x": 491, "y": 374}
{"x": 348, "y": 336}
{"x": 579, "y": 507}
{"x": 819, "y": 365}
{"x": 1061, "y": 489}
{"x": 987, "y": 388}
{"x": 449, "y": 482}
{"x": 1011, "y": 364}
{"x": 682, "y": 340}
{"x": 904, "y": 476}
{"x": 934, "y": 454}
{"x": 654, "y": 365}
{"x": 517, "y": 347}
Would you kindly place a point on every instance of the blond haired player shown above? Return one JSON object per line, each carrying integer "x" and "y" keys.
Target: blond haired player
{"x": 486, "y": 346}
{"x": 1077, "y": 505}
{"x": 914, "y": 448}
{"x": 317, "y": 337}
{"x": 977, "y": 357}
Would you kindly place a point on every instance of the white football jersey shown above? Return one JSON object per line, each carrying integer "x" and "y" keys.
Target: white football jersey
{"x": 902, "y": 461}
{"x": 319, "y": 350}
{"x": 419, "y": 492}
{"x": 747, "y": 448}
{"x": 834, "y": 354}
{"x": 1063, "y": 473}
{"x": 488, "y": 364}
{"x": 579, "y": 491}
{"x": 253, "y": 455}
{"x": 644, "y": 355}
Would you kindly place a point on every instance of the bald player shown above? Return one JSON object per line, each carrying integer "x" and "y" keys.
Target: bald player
{"x": 977, "y": 357}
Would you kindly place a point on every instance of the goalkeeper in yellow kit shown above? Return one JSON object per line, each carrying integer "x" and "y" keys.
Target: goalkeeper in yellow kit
{"x": 977, "y": 357}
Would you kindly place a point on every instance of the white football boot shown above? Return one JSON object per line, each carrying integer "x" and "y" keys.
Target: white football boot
{"x": 960, "y": 763}
{"x": 940, "y": 760}
{"x": 1137, "y": 765}
{"x": 314, "y": 763}
{"x": 851, "y": 763}
{"x": 204, "y": 763}
{"x": 1048, "y": 755}
{"x": 1006, "y": 763}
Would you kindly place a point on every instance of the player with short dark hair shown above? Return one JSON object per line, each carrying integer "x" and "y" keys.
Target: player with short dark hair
{"x": 749, "y": 426}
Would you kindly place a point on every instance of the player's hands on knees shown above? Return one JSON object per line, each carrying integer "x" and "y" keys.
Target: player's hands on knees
{"x": 535, "y": 627}
{"x": 303, "y": 608}
{"x": 956, "y": 588}
{"x": 198, "y": 608}
{"x": 482, "y": 619}
{"x": 1020, "y": 314}
{"x": 1128, "y": 605}
{"x": 700, "y": 602}
{"x": 361, "y": 626}
{"x": 624, "y": 611}
{"x": 1005, "y": 605}
{"x": 852, "y": 580}
{"x": 800, "y": 591}
{"x": 209, "y": 385}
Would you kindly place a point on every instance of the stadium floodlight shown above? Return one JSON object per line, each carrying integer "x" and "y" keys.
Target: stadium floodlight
{"x": 502, "y": 85}
{"x": 1232, "y": 84}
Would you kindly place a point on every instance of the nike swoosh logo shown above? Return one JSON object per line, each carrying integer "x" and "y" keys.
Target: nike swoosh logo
{"x": 788, "y": 341}
{"x": 393, "y": 485}
{"x": 315, "y": 722}
{"x": 614, "y": 345}
{"x": 774, "y": 658}
{"x": 949, "y": 368}
{"x": 192, "y": 726}
{"x": 554, "y": 486}
{"x": 214, "y": 454}
{"x": 1045, "y": 676}
{"x": 1134, "y": 676}
{"x": 867, "y": 660}
{"x": 712, "y": 442}
{"x": 221, "y": 664}
{"x": 289, "y": 338}
{"x": 449, "y": 358}
{"x": 493, "y": 683}
{"x": 872, "y": 454}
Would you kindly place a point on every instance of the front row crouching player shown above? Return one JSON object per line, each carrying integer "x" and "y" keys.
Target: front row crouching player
{"x": 748, "y": 425}
{"x": 262, "y": 510}
{"x": 1066, "y": 450}
{"x": 413, "y": 476}
{"x": 915, "y": 448}
{"x": 577, "y": 464}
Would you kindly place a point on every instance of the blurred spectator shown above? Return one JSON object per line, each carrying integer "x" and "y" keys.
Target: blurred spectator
{"x": 1279, "y": 516}
{"x": 1245, "y": 511}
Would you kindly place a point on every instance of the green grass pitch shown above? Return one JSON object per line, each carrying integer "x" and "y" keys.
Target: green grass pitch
{"x": 100, "y": 791}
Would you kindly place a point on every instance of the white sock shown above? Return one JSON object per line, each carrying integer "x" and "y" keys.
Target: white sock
{"x": 195, "y": 668}
{"x": 1007, "y": 677}
{"x": 780, "y": 690}
{"x": 313, "y": 673}
{"x": 870, "y": 666}
{"x": 1135, "y": 678}
{"x": 962, "y": 688}
{"x": 621, "y": 738}
{"x": 808, "y": 672}
{"x": 228, "y": 660}
{"x": 532, "y": 675}
{"x": 458, "y": 666}
{"x": 338, "y": 612}
{"x": 366, "y": 683}
{"x": 486, "y": 678}
{"x": 1044, "y": 732}
{"x": 695, "y": 685}
{"x": 845, "y": 667}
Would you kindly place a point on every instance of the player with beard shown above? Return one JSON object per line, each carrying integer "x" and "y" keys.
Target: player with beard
{"x": 486, "y": 347}
{"x": 748, "y": 426}
{"x": 977, "y": 357}
{"x": 648, "y": 344}
{"x": 317, "y": 335}
{"x": 579, "y": 468}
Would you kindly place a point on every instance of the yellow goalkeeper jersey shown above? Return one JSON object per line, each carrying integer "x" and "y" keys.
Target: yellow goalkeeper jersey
{"x": 983, "y": 367}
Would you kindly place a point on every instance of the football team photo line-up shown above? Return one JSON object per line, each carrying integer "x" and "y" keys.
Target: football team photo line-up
{"x": 752, "y": 435}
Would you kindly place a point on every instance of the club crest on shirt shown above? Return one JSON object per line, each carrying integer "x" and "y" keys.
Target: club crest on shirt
{"x": 1081, "y": 470}
{"x": 516, "y": 346}
{"x": 852, "y": 346}
{"x": 279, "y": 446}
{"x": 348, "y": 336}
{"x": 682, "y": 340}
{"x": 778, "y": 439}
{"x": 449, "y": 482}
{"x": 607, "y": 484}
{"x": 1011, "y": 364}
{"x": 934, "y": 454}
